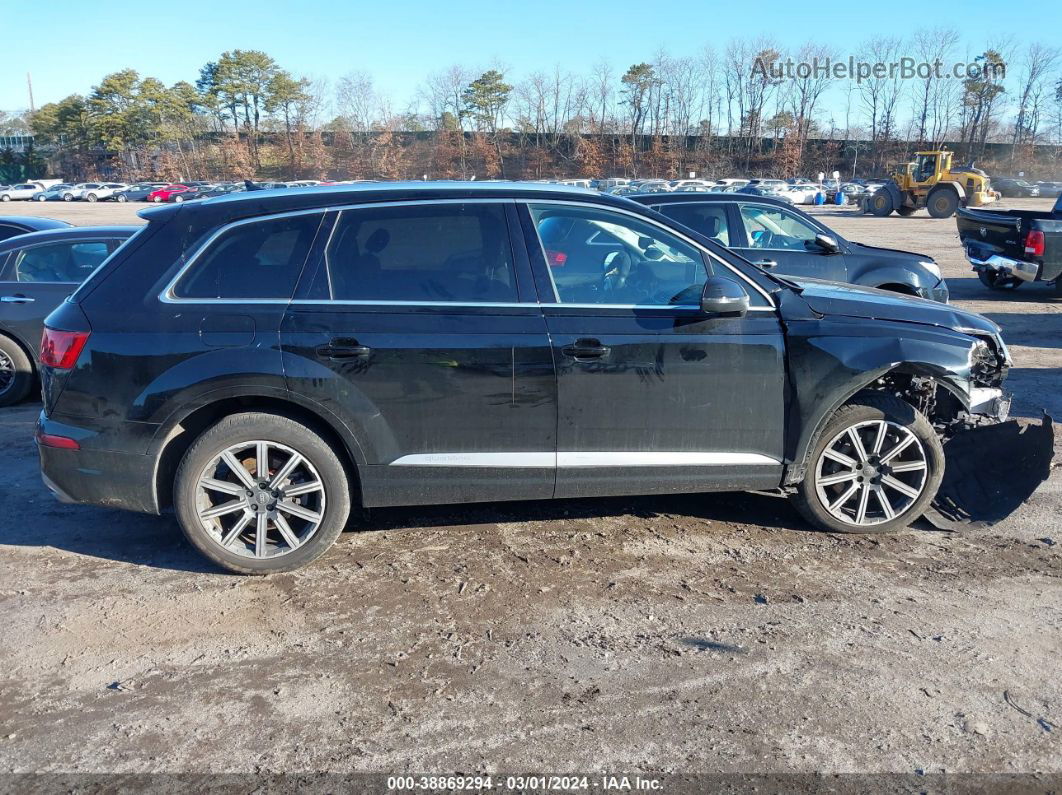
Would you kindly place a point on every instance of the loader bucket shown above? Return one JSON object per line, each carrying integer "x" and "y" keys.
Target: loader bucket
{"x": 990, "y": 471}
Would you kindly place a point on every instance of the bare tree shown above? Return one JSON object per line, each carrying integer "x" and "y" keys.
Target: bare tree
{"x": 1037, "y": 64}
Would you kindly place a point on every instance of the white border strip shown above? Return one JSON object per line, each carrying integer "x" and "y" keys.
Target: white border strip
{"x": 578, "y": 460}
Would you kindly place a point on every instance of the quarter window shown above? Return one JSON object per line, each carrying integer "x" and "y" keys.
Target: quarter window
{"x": 775, "y": 228}
{"x": 601, "y": 257}
{"x": 256, "y": 260}
{"x": 60, "y": 262}
{"x": 448, "y": 252}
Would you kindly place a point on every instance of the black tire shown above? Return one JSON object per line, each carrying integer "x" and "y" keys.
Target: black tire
{"x": 872, "y": 408}
{"x": 994, "y": 280}
{"x": 881, "y": 203}
{"x": 906, "y": 211}
{"x": 16, "y": 372}
{"x": 942, "y": 202}
{"x": 278, "y": 430}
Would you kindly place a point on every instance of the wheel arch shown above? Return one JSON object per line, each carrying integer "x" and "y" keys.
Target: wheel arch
{"x": 882, "y": 380}
{"x": 175, "y": 437}
{"x": 945, "y": 184}
{"x": 25, "y": 347}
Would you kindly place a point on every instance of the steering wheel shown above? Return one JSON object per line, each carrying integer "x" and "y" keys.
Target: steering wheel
{"x": 615, "y": 270}
{"x": 765, "y": 239}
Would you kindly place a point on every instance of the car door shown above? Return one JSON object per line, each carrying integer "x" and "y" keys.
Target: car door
{"x": 779, "y": 239}
{"x": 37, "y": 278}
{"x": 652, "y": 396}
{"x": 419, "y": 329}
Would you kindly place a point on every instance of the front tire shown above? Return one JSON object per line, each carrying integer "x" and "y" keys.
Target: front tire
{"x": 881, "y": 203}
{"x": 942, "y": 202}
{"x": 178, "y": 198}
{"x": 255, "y": 518}
{"x": 875, "y": 468}
{"x": 92, "y": 197}
{"x": 16, "y": 372}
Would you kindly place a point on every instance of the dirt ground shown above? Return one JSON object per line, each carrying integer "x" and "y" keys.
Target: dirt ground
{"x": 693, "y": 634}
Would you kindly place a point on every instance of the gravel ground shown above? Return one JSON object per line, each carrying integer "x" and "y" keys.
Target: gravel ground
{"x": 692, "y": 634}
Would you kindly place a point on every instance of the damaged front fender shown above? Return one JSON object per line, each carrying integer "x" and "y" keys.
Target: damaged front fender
{"x": 832, "y": 360}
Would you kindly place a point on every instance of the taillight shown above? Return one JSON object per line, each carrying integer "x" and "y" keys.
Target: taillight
{"x": 60, "y": 349}
{"x": 556, "y": 259}
{"x": 58, "y": 442}
{"x": 1034, "y": 243}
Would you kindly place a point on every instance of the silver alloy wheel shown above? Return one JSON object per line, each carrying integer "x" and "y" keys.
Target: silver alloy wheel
{"x": 874, "y": 459}
{"x": 7, "y": 372}
{"x": 260, "y": 511}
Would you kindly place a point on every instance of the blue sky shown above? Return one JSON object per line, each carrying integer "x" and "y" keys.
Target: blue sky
{"x": 68, "y": 45}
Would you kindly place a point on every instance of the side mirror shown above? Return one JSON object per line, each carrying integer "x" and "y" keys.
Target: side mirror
{"x": 827, "y": 244}
{"x": 723, "y": 297}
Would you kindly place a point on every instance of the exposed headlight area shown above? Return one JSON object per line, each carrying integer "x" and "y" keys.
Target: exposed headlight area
{"x": 989, "y": 361}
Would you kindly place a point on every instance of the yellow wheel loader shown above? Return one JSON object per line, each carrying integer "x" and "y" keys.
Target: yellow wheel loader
{"x": 931, "y": 182}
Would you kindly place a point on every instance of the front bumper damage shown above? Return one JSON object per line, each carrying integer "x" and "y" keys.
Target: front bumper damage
{"x": 991, "y": 470}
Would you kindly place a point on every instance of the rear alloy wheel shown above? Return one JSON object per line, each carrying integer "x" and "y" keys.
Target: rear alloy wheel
{"x": 92, "y": 197}
{"x": 875, "y": 469}
{"x": 994, "y": 280}
{"x": 16, "y": 372}
{"x": 41, "y": 199}
{"x": 260, "y": 493}
{"x": 68, "y": 197}
{"x": 121, "y": 197}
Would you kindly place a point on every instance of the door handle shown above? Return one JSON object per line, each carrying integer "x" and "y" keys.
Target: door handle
{"x": 343, "y": 349}
{"x": 766, "y": 264}
{"x": 16, "y": 299}
{"x": 586, "y": 349}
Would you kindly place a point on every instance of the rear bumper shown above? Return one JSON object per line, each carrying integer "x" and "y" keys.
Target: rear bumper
{"x": 1026, "y": 271}
{"x": 97, "y": 477}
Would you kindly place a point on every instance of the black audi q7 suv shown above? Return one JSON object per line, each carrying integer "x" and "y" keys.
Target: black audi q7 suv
{"x": 264, "y": 361}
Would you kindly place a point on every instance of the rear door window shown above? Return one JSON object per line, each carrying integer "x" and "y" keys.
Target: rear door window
{"x": 708, "y": 218}
{"x": 446, "y": 252}
{"x": 261, "y": 259}
{"x": 10, "y": 231}
{"x": 67, "y": 262}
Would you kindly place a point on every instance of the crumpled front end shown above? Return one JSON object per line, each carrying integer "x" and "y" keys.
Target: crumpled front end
{"x": 992, "y": 465}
